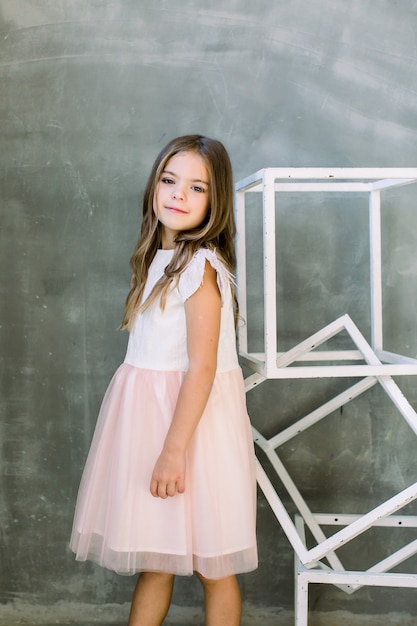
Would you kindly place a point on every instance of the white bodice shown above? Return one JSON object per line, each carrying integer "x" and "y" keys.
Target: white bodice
{"x": 158, "y": 339}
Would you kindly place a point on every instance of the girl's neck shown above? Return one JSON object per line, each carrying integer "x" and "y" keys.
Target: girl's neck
{"x": 167, "y": 243}
{"x": 167, "y": 246}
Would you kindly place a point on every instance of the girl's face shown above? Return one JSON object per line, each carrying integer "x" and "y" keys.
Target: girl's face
{"x": 182, "y": 194}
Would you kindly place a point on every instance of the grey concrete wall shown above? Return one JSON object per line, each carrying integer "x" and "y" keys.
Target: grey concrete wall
{"x": 89, "y": 92}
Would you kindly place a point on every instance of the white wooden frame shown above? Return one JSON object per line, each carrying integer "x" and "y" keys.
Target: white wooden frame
{"x": 368, "y": 362}
{"x": 326, "y": 547}
{"x": 269, "y": 181}
{"x": 379, "y": 575}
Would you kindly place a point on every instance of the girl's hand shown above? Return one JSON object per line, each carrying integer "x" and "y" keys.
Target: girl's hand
{"x": 168, "y": 476}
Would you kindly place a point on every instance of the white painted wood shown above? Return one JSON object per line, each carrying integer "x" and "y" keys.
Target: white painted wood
{"x": 315, "y": 340}
{"x": 302, "y": 507}
{"x": 253, "y": 381}
{"x": 270, "y": 309}
{"x": 357, "y": 527}
{"x": 376, "y": 269}
{"x": 241, "y": 279}
{"x": 362, "y": 578}
{"x": 347, "y": 580}
{"x": 280, "y": 511}
{"x": 393, "y": 357}
{"x": 342, "y": 371}
{"x": 343, "y": 519}
{"x": 323, "y": 411}
{"x": 368, "y": 362}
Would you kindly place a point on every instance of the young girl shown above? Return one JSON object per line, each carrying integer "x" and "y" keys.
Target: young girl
{"x": 169, "y": 484}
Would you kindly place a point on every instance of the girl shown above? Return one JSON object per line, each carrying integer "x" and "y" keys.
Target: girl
{"x": 169, "y": 484}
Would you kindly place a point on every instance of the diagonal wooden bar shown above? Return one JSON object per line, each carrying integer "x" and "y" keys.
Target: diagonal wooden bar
{"x": 326, "y": 545}
{"x": 323, "y": 411}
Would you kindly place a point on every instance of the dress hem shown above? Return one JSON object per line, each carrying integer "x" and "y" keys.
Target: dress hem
{"x": 131, "y": 563}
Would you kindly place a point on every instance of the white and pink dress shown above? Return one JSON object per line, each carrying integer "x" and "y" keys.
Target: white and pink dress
{"x": 210, "y": 528}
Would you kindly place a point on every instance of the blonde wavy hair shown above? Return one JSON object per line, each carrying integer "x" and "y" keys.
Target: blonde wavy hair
{"x": 217, "y": 231}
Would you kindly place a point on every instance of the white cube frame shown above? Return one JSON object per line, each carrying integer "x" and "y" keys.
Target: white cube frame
{"x": 368, "y": 362}
{"x": 269, "y": 181}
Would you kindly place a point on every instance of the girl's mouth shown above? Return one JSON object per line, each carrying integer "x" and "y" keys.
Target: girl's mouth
{"x": 174, "y": 209}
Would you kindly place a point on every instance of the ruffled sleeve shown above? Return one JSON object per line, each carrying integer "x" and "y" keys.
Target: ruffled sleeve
{"x": 193, "y": 275}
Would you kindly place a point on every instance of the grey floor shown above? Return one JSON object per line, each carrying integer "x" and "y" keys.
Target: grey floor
{"x": 71, "y": 614}
{"x": 332, "y": 619}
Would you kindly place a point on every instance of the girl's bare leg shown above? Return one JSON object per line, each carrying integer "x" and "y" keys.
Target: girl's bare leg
{"x": 223, "y": 603}
{"x": 151, "y": 599}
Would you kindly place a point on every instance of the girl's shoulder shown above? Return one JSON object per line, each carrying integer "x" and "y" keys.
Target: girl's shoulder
{"x": 193, "y": 275}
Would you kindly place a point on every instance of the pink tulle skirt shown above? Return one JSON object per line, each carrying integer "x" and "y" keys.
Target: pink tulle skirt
{"x": 211, "y": 527}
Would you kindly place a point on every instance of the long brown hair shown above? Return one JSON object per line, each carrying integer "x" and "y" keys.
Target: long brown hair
{"x": 217, "y": 231}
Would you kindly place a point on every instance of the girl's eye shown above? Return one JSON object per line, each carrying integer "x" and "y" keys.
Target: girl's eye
{"x": 167, "y": 181}
{"x": 198, "y": 189}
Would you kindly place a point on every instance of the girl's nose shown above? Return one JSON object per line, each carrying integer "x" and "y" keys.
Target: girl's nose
{"x": 177, "y": 193}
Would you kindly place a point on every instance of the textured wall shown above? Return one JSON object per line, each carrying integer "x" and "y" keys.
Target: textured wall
{"x": 89, "y": 92}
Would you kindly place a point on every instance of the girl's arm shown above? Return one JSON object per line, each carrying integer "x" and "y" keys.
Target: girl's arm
{"x": 202, "y": 312}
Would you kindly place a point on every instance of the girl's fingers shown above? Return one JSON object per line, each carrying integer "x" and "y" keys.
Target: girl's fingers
{"x": 165, "y": 490}
{"x": 162, "y": 490}
{"x": 154, "y": 488}
{"x": 171, "y": 489}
